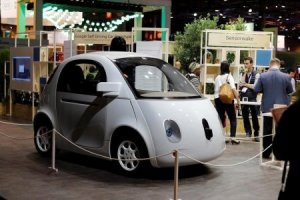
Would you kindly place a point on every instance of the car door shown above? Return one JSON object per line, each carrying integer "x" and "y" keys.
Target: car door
{"x": 81, "y": 110}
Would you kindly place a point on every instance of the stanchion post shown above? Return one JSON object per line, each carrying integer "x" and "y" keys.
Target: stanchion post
{"x": 176, "y": 169}
{"x": 53, "y": 152}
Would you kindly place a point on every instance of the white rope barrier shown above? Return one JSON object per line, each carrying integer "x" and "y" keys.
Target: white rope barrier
{"x": 175, "y": 153}
{"x": 16, "y": 124}
{"x": 106, "y": 157}
{"x": 137, "y": 159}
{"x": 225, "y": 165}
{"x": 15, "y": 138}
{"x": 248, "y": 138}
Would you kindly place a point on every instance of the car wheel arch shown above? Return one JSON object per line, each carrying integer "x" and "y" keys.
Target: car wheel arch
{"x": 41, "y": 118}
{"x": 126, "y": 132}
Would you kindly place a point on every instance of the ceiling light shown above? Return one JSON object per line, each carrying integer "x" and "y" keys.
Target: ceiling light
{"x": 250, "y": 10}
{"x": 195, "y": 14}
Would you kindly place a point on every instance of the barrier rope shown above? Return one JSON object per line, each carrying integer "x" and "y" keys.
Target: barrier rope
{"x": 16, "y": 138}
{"x": 248, "y": 139}
{"x": 106, "y": 157}
{"x": 140, "y": 159}
{"x": 225, "y": 165}
{"x": 16, "y": 124}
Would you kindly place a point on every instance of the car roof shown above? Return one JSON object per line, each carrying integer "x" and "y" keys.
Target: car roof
{"x": 119, "y": 54}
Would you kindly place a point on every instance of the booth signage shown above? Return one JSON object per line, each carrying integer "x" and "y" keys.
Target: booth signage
{"x": 225, "y": 39}
{"x": 100, "y": 37}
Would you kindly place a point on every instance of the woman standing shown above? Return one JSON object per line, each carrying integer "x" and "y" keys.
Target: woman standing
{"x": 223, "y": 108}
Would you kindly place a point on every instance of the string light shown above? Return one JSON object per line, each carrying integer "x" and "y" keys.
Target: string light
{"x": 64, "y": 18}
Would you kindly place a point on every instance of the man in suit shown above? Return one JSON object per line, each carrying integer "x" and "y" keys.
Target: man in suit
{"x": 275, "y": 87}
{"x": 246, "y": 87}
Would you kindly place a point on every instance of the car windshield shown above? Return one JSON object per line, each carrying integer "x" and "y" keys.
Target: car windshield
{"x": 154, "y": 78}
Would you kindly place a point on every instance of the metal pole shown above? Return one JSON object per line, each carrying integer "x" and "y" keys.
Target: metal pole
{"x": 176, "y": 169}
{"x": 53, "y": 152}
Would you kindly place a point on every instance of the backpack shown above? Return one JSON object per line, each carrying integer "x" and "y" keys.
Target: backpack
{"x": 226, "y": 94}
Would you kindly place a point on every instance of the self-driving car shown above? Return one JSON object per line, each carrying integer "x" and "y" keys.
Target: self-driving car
{"x": 127, "y": 107}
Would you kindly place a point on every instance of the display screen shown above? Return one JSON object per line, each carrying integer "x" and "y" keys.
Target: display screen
{"x": 263, "y": 57}
{"x": 21, "y": 68}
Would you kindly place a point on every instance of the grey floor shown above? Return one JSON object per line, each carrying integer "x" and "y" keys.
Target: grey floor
{"x": 25, "y": 175}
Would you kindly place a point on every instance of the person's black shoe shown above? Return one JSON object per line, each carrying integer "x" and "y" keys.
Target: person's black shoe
{"x": 256, "y": 140}
{"x": 234, "y": 141}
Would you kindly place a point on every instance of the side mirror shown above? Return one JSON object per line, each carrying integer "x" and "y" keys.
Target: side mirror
{"x": 109, "y": 89}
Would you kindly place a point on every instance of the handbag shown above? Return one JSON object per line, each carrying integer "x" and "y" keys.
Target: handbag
{"x": 282, "y": 194}
{"x": 226, "y": 94}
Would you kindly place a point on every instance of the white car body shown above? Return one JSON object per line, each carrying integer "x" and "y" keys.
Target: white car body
{"x": 121, "y": 109}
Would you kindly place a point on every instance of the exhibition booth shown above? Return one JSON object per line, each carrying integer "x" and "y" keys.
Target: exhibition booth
{"x": 31, "y": 66}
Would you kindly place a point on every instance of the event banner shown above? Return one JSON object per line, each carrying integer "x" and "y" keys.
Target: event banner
{"x": 233, "y": 39}
{"x": 100, "y": 37}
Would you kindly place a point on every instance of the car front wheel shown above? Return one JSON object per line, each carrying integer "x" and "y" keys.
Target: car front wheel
{"x": 43, "y": 139}
{"x": 131, "y": 154}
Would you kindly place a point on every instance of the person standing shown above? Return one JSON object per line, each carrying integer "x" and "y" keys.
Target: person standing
{"x": 291, "y": 72}
{"x": 285, "y": 146}
{"x": 275, "y": 87}
{"x": 223, "y": 108}
{"x": 179, "y": 67}
{"x": 194, "y": 75}
{"x": 249, "y": 78}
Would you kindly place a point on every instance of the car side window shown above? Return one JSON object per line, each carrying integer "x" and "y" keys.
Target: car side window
{"x": 81, "y": 77}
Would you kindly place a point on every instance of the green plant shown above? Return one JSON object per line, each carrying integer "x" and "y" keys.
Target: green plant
{"x": 237, "y": 24}
{"x": 230, "y": 57}
{"x": 187, "y": 44}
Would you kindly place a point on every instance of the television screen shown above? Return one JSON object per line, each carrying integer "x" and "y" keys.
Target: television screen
{"x": 21, "y": 68}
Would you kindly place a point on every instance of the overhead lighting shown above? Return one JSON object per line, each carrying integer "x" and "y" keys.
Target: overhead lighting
{"x": 195, "y": 14}
{"x": 250, "y": 10}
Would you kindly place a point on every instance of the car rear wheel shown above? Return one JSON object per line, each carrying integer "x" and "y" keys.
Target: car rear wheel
{"x": 43, "y": 139}
{"x": 128, "y": 152}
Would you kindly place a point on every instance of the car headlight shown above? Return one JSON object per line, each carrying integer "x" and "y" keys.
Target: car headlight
{"x": 172, "y": 131}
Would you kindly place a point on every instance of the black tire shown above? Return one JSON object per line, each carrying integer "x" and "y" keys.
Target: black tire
{"x": 130, "y": 148}
{"x": 43, "y": 139}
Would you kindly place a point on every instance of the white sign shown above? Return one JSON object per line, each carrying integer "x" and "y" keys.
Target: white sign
{"x": 100, "y": 37}
{"x": 243, "y": 39}
{"x": 153, "y": 48}
{"x": 280, "y": 42}
{"x": 8, "y": 9}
